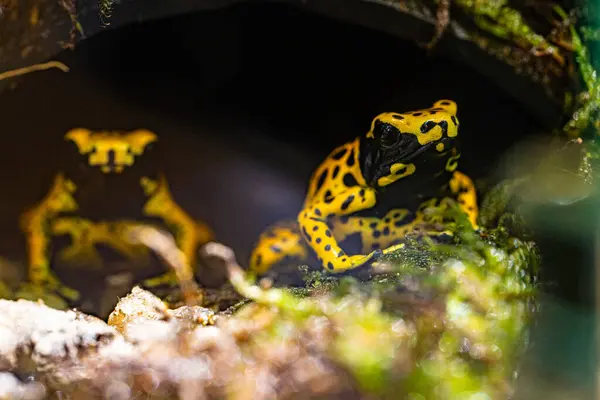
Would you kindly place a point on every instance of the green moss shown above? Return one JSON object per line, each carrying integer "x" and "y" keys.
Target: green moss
{"x": 503, "y": 21}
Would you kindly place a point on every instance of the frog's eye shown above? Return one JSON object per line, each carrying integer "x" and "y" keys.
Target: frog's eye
{"x": 390, "y": 137}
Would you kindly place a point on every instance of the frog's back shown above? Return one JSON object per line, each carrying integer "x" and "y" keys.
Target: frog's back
{"x": 339, "y": 171}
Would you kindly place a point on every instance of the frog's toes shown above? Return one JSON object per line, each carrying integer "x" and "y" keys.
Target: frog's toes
{"x": 368, "y": 259}
{"x": 352, "y": 262}
{"x": 167, "y": 279}
{"x": 68, "y": 293}
{"x": 375, "y": 255}
{"x": 394, "y": 248}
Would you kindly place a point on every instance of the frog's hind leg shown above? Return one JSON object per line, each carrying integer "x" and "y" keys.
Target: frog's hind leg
{"x": 463, "y": 190}
{"x": 279, "y": 241}
{"x": 36, "y": 225}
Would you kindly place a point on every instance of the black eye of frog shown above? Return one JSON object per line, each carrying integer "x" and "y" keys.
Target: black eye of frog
{"x": 390, "y": 137}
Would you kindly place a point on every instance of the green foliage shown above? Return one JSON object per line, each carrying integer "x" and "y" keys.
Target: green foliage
{"x": 503, "y": 21}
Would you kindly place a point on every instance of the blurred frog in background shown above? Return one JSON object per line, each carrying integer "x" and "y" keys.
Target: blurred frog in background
{"x": 108, "y": 183}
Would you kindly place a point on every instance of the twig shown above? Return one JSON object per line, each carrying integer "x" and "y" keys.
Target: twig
{"x": 279, "y": 298}
{"x": 70, "y": 7}
{"x": 31, "y": 68}
{"x": 442, "y": 22}
{"x": 234, "y": 271}
{"x": 164, "y": 245}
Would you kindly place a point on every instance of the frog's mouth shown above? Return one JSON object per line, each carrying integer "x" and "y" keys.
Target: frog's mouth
{"x": 413, "y": 149}
{"x": 409, "y": 149}
{"x": 411, "y": 154}
{"x": 114, "y": 168}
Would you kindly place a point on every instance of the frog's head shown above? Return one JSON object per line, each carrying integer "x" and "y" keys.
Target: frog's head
{"x": 111, "y": 151}
{"x": 398, "y": 145}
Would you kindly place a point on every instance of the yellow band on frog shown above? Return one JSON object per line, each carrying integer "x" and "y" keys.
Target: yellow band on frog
{"x": 397, "y": 171}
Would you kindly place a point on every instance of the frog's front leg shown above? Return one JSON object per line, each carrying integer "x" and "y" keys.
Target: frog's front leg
{"x": 313, "y": 222}
{"x": 36, "y": 224}
{"x": 82, "y": 248}
{"x": 188, "y": 232}
{"x": 389, "y": 233}
{"x": 86, "y": 234}
{"x": 377, "y": 233}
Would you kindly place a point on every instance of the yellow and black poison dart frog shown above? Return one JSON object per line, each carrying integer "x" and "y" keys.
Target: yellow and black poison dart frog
{"x": 375, "y": 189}
{"x": 109, "y": 182}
